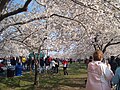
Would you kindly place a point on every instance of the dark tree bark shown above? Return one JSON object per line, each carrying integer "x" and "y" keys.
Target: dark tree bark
{"x": 109, "y": 44}
{"x": 19, "y": 10}
{"x": 3, "y": 4}
{"x": 101, "y": 47}
{"x": 36, "y": 81}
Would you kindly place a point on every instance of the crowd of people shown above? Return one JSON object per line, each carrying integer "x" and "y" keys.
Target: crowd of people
{"x": 103, "y": 74}
{"x": 22, "y": 63}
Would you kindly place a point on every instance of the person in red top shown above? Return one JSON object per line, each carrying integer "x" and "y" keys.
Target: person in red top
{"x": 50, "y": 59}
{"x": 1, "y": 65}
{"x": 65, "y": 65}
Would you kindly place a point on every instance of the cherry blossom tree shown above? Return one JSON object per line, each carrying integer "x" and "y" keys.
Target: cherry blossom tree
{"x": 78, "y": 26}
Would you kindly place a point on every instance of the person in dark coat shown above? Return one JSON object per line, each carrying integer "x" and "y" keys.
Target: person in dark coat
{"x": 13, "y": 61}
{"x": 42, "y": 65}
{"x": 116, "y": 77}
{"x": 56, "y": 65}
{"x": 47, "y": 63}
{"x": 41, "y": 62}
{"x": 28, "y": 64}
{"x": 113, "y": 64}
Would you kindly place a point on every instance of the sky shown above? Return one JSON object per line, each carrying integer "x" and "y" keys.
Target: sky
{"x": 31, "y": 6}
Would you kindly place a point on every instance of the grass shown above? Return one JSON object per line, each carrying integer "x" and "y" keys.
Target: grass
{"x": 74, "y": 81}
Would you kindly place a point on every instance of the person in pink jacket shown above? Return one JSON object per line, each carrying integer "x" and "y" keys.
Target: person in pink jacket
{"x": 99, "y": 74}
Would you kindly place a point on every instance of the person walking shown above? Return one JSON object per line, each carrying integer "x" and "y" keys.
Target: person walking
{"x": 18, "y": 70}
{"x": 47, "y": 64}
{"x": 65, "y": 65}
{"x": 52, "y": 64}
{"x": 99, "y": 74}
{"x": 56, "y": 65}
{"x": 116, "y": 78}
{"x": 24, "y": 62}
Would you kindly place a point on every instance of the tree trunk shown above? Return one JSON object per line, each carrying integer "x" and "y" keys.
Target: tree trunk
{"x": 36, "y": 74}
{"x": 36, "y": 81}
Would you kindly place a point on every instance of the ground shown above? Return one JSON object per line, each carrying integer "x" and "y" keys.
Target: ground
{"x": 74, "y": 81}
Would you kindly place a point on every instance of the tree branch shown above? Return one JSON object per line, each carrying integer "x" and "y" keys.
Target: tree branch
{"x": 82, "y": 4}
{"x": 113, "y": 5}
{"x": 114, "y": 43}
{"x": 2, "y": 46}
{"x": 23, "y": 43}
{"x": 21, "y": 23}
{"x": 42, "y": 17}
{"x": 108, "y": 44}
{"x": 40, "y": 3}
{"x": 101, "y": 46}
{"x": 19, "y": 10}
{"x": 3, "y": 4}
{"x": 70, "y": 19}
{"x": 5, "y": 38}
{"x": 29, "y": 35}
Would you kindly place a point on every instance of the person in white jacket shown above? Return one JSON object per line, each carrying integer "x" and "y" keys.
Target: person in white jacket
{"x": 52, "y": 65}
